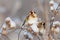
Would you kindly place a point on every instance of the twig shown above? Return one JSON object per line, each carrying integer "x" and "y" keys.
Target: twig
{"x": 20, "y": 31}
{"x": 39, "y": 37}
{"x": 19, "y": 34}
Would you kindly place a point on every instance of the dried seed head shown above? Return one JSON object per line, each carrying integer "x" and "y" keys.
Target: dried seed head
{"x": 51, "y": 8}
{"x": 7, "y": 20}
{"x": 51, "y": 3}
{"x": 32, "y": 13}
{"x": 4, "y": 32}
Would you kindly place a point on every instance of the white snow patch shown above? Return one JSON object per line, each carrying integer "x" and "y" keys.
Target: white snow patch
{"x": 28, "y": 33}
{"x": 51, "y": 2}
{"x": 35, "y": 28}
{"x": 13, "y": 24}
{"x": 56, "y": 23}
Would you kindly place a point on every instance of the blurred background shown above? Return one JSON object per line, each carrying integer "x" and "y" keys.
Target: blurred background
{"x": 19, "y": 9}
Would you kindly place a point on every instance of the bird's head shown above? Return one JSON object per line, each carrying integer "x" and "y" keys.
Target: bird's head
{"x": 51, "y": 3}
{"x": 32, "y": 13}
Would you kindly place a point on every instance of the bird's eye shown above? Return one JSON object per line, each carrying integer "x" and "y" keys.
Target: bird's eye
{"x": 31, "y": 11}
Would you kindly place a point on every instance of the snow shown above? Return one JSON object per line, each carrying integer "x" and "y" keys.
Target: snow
{"x": 13, "y": 24}
{"x": 51, "y": 2}
{"x": 8, "y": 19}
{"x": 55, "y": 5}
{"x": 4, "y": 25}
{"x": 56, "y": 22}
{"x": 28, "y": 34}
{"x": 35, "y": 28}
{"x": 51, "y": 8}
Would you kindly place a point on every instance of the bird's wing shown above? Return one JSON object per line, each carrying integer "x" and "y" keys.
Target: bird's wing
{"x": 24, "y": 22}
{"x": 26, "y": 19}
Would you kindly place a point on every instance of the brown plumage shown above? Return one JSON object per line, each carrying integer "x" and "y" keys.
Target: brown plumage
{"x": 41, "y": 27}
{"x": 31, "y": 16}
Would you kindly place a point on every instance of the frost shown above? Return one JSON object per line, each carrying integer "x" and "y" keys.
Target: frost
{"x": 56, "y": 23}
{"x": 35, "y": 28}
{"x": 13, "y": 24}
{"x": 28, "y": 34}
{"x": 4, "y": 25}
{"x": 8, "y": 19}
{"x": 57, "y": 29}
{"x": 51, "y": 2}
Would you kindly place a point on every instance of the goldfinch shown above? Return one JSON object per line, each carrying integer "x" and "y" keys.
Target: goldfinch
{"x": 13, "y": 24}
{"x": 56, "y": 23}
{"x": 4, "y": 26}
{"x": 31, "y": 18}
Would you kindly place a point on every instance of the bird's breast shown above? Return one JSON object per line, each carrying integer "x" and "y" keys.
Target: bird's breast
{"x": 31, "y": 21}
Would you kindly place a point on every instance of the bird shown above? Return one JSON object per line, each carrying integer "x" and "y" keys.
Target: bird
{"x": 31, "y": 18}
{"x": 31, "y": 21}
{"x": 28, "y": 35}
